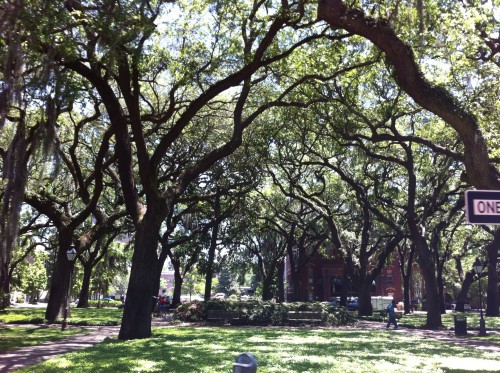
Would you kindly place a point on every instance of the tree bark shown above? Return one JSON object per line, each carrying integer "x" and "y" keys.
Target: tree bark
{"x": 462, "y": 295}
{"x": 212, "y": 248}
{"x": 406, "y": 272}
{"x": 267, "y": 283}
{"x": 83, "y": 298}
{"x": 136, "y": 322}
{"x": 14, "y": 176}
{"x": 431, "y": 287}
{"x": 59, "y": 283}
{"x": 493, "y": 286}
{"x": 441, "y": 294}
{"x": 281, "y": 281}
{"x": 178, "y": 280}
{"x": 365, "y": 296}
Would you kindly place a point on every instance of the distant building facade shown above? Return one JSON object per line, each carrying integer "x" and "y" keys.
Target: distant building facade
{"x": 323, "y": 280}
{"x": 169, "y": 283}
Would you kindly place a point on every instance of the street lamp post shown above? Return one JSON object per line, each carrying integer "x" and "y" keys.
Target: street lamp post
{"x": 478, "y": 268}
{"x": 71, "y": 255}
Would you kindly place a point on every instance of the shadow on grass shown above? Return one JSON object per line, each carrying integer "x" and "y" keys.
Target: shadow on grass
{"x": 11, "y": 338}
{"x": 78, "y": 316}
{"x": 276, "y": 350}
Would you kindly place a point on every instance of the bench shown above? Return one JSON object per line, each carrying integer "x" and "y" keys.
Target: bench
{"x": 222, "y": 315}
{"x": 310, "y": 316}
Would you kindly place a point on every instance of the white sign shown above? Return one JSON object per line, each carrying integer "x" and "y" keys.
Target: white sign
{"x": 482, "y": 206}
{"x": 486, "y": 207}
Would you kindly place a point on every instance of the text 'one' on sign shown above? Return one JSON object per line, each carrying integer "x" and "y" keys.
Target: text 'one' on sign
{"x": 482, "y": 206}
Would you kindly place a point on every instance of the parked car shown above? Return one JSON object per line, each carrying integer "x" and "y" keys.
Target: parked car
{"x": 352, "y": 304}
{"x": 197, "y": 297}
{"x": 219, "y": 296}
{"x": 334, "y": 302}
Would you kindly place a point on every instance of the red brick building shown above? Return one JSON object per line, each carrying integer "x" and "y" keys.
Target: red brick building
{"x": 322, "y": 280}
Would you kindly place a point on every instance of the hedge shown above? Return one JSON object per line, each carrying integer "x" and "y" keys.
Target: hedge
{"x": 263, "y": 313}
{"x": 104, "y": 303}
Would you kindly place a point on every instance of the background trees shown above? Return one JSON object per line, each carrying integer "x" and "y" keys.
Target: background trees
{"x": 212, "y": 131}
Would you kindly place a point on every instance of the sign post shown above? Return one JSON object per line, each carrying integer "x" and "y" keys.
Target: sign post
{"x": 482, "y": 206}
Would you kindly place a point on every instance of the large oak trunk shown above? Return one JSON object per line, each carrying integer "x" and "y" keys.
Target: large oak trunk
{"x": 493, "y": 287}
{"x": 281, "y": 281}
{"x": 4, "y": 284}
{"x": 83, "y": 298}
{"x": 178, "y": 280}
{"x": 267, "y": 293}
{"x": 211, "y": 254}
{"x": 365, "y": 297}
{"x": 59, "y": 283}
{"x": 464, "y": 291}
{"x": 427, "y": 267}
{"x": 58, "y": 288}
{"x": 136, "y": 322}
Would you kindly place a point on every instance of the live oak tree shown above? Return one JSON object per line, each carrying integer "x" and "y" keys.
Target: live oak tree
{"x": 339, "y": 185}
{"x": 157, "y": 79}
{"x": 480, "y": 171}
{"x": 166, "y": 72}
{"x": 77, "y": 202}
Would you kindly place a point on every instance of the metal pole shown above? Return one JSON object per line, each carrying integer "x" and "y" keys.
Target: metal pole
{"x": 482, "y": 325}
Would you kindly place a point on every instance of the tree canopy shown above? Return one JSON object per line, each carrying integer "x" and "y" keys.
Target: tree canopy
{"x": 270, "y": 129}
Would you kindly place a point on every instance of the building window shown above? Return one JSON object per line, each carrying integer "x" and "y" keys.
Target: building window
{"x": 388, "y": 279}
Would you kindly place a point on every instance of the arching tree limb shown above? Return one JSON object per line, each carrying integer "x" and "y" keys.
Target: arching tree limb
{"x": 480, "y": 171}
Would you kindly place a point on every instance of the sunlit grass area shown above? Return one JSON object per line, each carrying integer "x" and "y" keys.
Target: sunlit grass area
{"x": 14, "y": 337}
{"x": 418, "y": 319}
{"x": 79, "y": 316}
{"x": 276, "y": 350}
{"x": 489, "y": 338}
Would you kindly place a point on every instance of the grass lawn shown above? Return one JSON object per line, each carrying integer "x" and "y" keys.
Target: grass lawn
{"x": 186, "y": 349}
{"x": 418, "y": 319}
{"x": 79, "y": 316}
{"x": 14, "y": 337}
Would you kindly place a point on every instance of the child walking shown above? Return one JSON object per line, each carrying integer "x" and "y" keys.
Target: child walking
{"x": 392, "y": 315}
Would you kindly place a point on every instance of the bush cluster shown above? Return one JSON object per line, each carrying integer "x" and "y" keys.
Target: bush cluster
{"x": 4, "y": 300}
{"x": 263, "y": 313}
{"x": 104, "y": 303}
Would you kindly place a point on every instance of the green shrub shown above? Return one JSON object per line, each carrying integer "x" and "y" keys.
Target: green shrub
{"x": 189, "y": 312}
{"x": 263, "y": 313}
{"x": 104, "y": 303}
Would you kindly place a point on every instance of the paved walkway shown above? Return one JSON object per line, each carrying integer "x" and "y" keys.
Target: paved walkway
{"x": 27, "y": 356}
{"x": 445, "y": 336}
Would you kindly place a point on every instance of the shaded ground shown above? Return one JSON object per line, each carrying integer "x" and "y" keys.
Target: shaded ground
{"x": 27, "y": 356}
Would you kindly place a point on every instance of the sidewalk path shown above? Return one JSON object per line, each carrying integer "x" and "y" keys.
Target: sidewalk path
{"x": 27, "y": 356}
{"x": 445, "y": 336}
